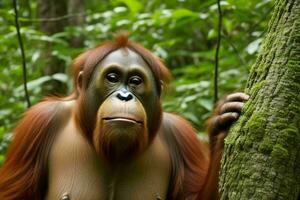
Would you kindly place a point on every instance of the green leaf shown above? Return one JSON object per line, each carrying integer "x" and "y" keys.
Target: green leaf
{"x": 228, "y": 26}
{"x": 212, "y": 34}
{"x": 206, "y": 103}
{"x": 133, "y": 5}
{"x": 254, "y": 46}
{"x": 40, "y": 81}
{"x": 60, "y": 77}
{"x": 182, "y": 13}
{"x": 215, "y": 6}
{"x": 35, "y": 83}
{"x": 192, "y": 117}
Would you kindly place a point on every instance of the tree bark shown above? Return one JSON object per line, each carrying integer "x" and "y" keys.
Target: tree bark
{"x": 262, "y": 151}
{"x": 77, "y": 8}
{"x": 50, "y": 10}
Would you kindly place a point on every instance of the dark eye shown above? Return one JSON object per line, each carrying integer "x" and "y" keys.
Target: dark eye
{"x": 135, "y": 80}
{"x": 112, "y": 77}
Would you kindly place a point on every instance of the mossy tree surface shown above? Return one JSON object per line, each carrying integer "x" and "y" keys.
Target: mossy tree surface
{"x": 262, "y": 151}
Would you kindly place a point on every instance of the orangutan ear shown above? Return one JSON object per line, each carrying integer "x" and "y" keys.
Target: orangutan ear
{"x": 161, "y": 86}
{"x": 79, "y": 81}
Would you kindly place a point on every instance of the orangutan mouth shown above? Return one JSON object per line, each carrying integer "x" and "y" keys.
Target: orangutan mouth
{"x": 122, "y": 119}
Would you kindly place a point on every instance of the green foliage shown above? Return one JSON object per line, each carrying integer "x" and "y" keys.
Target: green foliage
{"x": 183, "y": 33}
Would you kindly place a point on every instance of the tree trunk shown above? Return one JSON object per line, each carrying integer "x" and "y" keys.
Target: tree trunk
{"x": 77, "y": 8}
{"x": 51, "y": 10}
{"x": 262, "y": 151}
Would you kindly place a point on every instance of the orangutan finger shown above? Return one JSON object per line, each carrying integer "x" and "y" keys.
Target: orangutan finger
{"x": 227, "y": 118}
{"x": 231, "y": 107}
{"x": 239, "y": 96}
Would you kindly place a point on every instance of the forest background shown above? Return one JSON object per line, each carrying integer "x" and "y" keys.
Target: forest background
{"x": 181, "y": 32}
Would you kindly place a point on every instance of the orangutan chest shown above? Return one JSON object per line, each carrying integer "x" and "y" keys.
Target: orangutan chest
{"x": 76, "y": 173}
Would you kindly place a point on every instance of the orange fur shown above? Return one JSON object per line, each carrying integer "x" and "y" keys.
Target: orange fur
{"x": 190, "y": 158}
{"x": 194, "y": 172}
{"x": 23, "y": 175}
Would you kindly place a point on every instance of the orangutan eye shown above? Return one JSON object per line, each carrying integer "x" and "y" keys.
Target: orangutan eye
{"x": 135, "y": 80}
{"x": 112, "y": 77}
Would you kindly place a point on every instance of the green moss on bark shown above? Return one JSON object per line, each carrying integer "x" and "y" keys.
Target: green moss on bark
{"x": 262, "y": 151}
{"x": 279, "y": 155}
{"x": 266, "y": 146}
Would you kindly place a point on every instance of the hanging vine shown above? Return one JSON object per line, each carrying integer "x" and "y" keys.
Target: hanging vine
{"x": 22, "y": 53}
{"x": 216, "y": 70}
